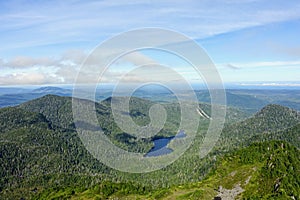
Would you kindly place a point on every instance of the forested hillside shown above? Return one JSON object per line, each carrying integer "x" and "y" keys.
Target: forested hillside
{"x": 41, "y": 154}
{"x": 271, "y": 122}
{"x": 268, "y": 170}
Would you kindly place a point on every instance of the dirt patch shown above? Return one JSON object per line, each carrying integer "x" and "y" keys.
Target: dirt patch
{"x": 226, "y": 194}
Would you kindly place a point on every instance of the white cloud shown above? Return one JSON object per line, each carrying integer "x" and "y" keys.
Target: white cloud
{"x": 266, "y": 64}
{"x": 28, "y": 78}
{"x": 26, "y": 61}
{"x": 74, "y": 55}
{"x": 293, "y": 51}
{"x": 43, "y": 70}
{"x": 137, "y": 59}
{"x": 231, "y": 66}
{"x": 272, "y": 84}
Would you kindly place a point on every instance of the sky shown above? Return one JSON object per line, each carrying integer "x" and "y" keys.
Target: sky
{"x": 46, "y": 42}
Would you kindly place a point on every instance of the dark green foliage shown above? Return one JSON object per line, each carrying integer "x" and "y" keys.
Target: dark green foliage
{"x": 279, "y": 178}
{"x": 13, "y": 118}
{"x": 265, "y": 170}
{"x": 290, "y": 135}
{"x": 58, "y": 110}
{"x": 30, "y": 150}
{"x": 272, "y": 118}
{"x": 272, "y": 170}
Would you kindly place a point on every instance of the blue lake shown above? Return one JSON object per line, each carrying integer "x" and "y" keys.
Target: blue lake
{"x": 161, "y": 145}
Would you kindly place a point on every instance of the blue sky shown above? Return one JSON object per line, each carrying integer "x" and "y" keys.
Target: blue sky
{"x": 44, "y": 42}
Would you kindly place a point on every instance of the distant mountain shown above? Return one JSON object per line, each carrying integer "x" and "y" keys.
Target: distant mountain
{"x": 13, "y": 99}
{"x": 52, "y": 90}
{"x": 289, "y": 97}
{"x": 253, "y": 100}
{"x": 13, "y": 90}
{"x": 249, "y": 101}
{"x": 246, "y": 102}
{"x": 289, "y": 103}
